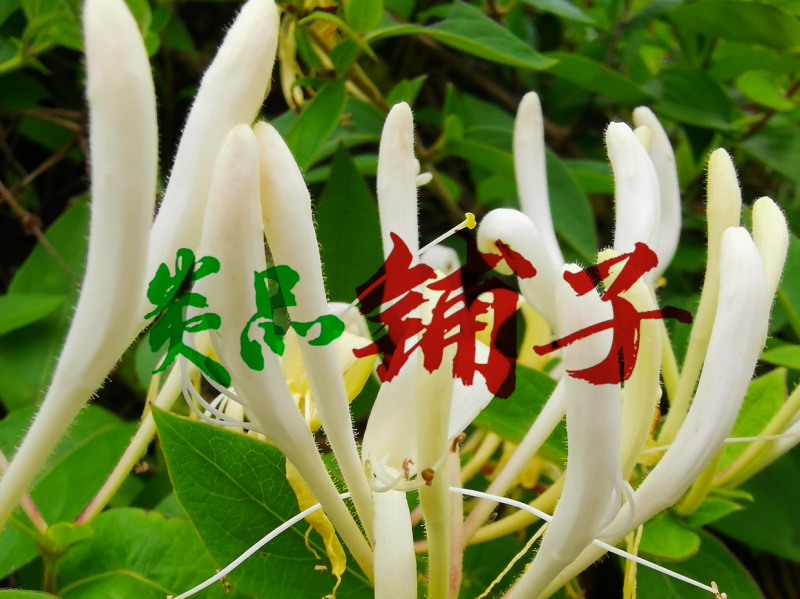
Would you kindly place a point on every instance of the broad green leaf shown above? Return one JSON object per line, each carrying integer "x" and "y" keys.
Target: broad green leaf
{"x": 592, "y": 176}
{"x": 363, "y": 15}
{"x": 663, "y": 537}
{"x": 363, "y": 125}
{"x": 764, "y": 398}
{"x": 572, "y": 215}
{"x": 485, "y": 561}
{"x": 316, "y": 123}
{"x": 764, "y": 88}
{"x": 20, "y": 594}
{"x": 21, "y": 309}
{"x": 7, "y": 8}
{"x": 343, "y": 55}
{"x": 366, "y": 164}
{"x": 785, "y": 355}
{"x": 139, "y": 554}
{"x": 403, "y": 8}
{"x": 597, "y": 78}
{"x": 562, "y": 8}
{"x": 177, "y": 36}
{"x": 28, "y": 355}
{"x": 406, "y": 91}
{"x": 712, "y": 562}
{"x": 348, "y": 230}
{"x": 66, "y": 484}
{"x": 511, "y": 418}
{"x": 691, "y": 96}
{"x": 778, "y": 147}
{"x": 711, "y": 510}
{"x": 731, "y": 59}
{"x": 468, "y": 29}
{"x": 234, "y": 490}
{"x": 772, "y": 522}
{"x": 744, "y": 21}
{"x": 53, "y": 23}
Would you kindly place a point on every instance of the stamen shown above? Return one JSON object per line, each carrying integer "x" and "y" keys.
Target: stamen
{"x": 266, "y": 539}
{"x": 605, "y": 546}
{"x": 792, "y": 435}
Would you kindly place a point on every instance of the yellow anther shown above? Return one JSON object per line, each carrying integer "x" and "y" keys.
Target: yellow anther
{"x": 469, "y": 222}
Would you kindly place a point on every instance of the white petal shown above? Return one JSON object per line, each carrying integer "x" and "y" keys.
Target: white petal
{"x": 397, "y": 174}
{"x": 518, "y": 232}
{"x": 289, "y": 227}
{"x": 469, "y": 400}
{"x": 771, "y": 236}
{"x": 636, "y": 197}
{"x": 230, "y": 93}
{"x": 123, "y": 144}
{"x": 233, "y": 234}
{"x": 669, "y": 227}
{"x": 395, "y": 562}
{"x": 531, "y": 172}
{"x": 593, "y": 424}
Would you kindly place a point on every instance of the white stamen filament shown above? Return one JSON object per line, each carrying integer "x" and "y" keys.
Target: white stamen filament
{"x": 458, "y": 490}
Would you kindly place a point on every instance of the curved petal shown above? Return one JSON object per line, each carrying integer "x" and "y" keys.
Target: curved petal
{"x": 666, "y": 237}
{"x": 593, "y": 426}
{"x": 636, "y": 195}
{"x": 230, "y": 93}
{"x": 123, "y": 142}
{"x": 530, "y": 169}
{"x": 233, "y": 234}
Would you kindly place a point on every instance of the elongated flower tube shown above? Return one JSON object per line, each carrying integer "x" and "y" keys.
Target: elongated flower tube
{"x": 723, "y": 210}
{"x": 530, "y": 169}
{"x": 234, "y": 235}
{"x": 737, "y": 338}
{"x": 593, "y": 425}
{"x": 122, "y": 110}
{"x": 230, "y": 93}
{"x": 636, "y": 192}
{"x": 290, "y": 234}
{"x": 666, "y": 236}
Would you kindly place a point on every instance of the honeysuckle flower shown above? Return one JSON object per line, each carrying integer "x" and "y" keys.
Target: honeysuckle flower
{"x": 124, "y": 250}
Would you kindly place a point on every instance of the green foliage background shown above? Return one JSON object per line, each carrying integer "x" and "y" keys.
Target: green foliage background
{"x": 716, "y": 73}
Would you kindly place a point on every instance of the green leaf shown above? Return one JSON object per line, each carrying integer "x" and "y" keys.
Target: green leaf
{"x": 7, "y": 8}
{"x": 177, "y": 36}
{"x": 22, "y": 309}
{"x": 316, "y": 123}
{"x": 406, "y": 91}
{"x": 562, "y": 8}
{"x": 234, "y": 490}
{"x": 712, "y": 562}
{"x": 772, "y": 522}
{"x": 663, "y": 537}
{"x": 20, "y": 594}
{"x": 466, "y": 28}
{"x": 597, "y": 78}
{"x": 572, "y": 214}
{"x": 363, "y": 15}
{"x": 511, "y": 418}
{"x": 592, "y": 176}
{"x": 28, "y": 354}
{"x": 366, "y": 164}
{"x": 785, "y": 355}
{"x": 764, "y": 398}
{"x": 778, "y": 147}
{"x": 764, "y": 88}
{"x": 691, "y": 96}
{"x": 348, "y": 230}
{"x": 343, "y": 55}
{"x": 363, "y": 125}
{"x": 752, "y": 22}
{"x": 711, "y": 510}
{"x": 65, "y": 485}
{"x": 138, "y": 554}
{"x": 53, "y": 23}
